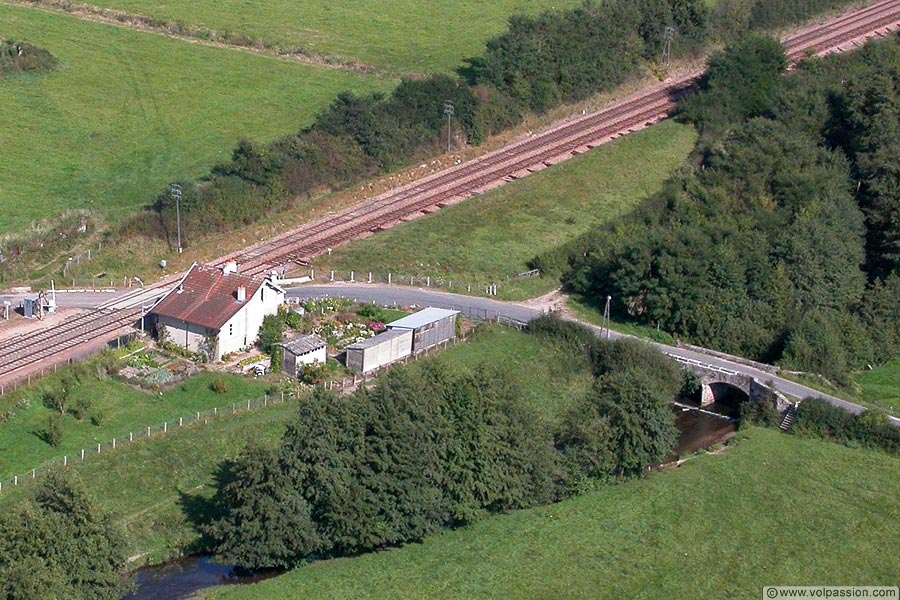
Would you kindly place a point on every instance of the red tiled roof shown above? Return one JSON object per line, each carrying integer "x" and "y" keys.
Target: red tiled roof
{"x": 208, "y": 299}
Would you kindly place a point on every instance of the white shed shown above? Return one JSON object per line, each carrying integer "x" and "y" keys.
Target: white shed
{"x": 304, "y": 350}
{"x": 383, "y": 349}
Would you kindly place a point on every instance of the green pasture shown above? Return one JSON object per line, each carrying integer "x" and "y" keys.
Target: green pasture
{"x": 128, "y": 112}
{"x": 396, "y": 35}
{"x": 123, "y": 409}
{"x": 491, "y": 238}
{"x": 774, "y": 510}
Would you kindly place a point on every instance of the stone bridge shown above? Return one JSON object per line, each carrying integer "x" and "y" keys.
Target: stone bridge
{"x": 716, "y": 381}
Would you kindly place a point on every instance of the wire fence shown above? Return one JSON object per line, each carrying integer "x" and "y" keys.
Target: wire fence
{"x": 460, "y": 285}
{"x": 194, "y": 419}
{"x": 199, "y": 418}
{"x": 75, "y": 261}
{"x": 10, "y": 385}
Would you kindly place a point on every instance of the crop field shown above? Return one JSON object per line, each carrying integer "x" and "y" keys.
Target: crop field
{"x": 491, "y": 238}
{"x": 395, "y": 35}
{"x": 774, "y": 510}
{"x": 128, "y": 112}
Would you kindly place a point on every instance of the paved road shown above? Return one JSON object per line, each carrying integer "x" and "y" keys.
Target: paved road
{"x": 485, "y": 307}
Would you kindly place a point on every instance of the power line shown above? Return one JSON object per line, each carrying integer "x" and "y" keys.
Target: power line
{"x": 448, "y": 110}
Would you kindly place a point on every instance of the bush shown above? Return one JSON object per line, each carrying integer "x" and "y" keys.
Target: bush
{"x": 871, "y": 428}
{"x": 219, "y": 386}
{"x": 81, "y": 407}
{"x": 17, "y": 57}
{"x": 53, "y": 435}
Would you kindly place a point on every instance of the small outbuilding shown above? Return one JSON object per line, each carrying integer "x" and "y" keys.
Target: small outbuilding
{"x": 383, "y": 349}
{"x": 430, "y": 327}
{"x": 304, "y": 350}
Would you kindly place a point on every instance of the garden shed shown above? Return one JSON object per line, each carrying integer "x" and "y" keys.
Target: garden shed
{"x": 430, "y": 327}
{"x": 304, "y": 350}
{"x": 378, "y": 351}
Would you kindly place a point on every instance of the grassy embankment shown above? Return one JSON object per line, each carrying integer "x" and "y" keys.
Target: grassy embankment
{"x": 774, "y": 510}
{"x": 122, "y": 408}
{"x": 153, "y": 485}
{"x": 491, "y": 238}
{"x": 398, "y": 35}
{"x": 127, "y": 112}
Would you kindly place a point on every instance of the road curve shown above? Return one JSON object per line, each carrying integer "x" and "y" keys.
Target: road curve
{"x": 488, "y": 308}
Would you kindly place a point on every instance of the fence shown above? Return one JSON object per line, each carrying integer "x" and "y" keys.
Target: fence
{"x": 440, "y": 281}
{"x": 11, "y": 385}
{"x": 345, "y": 385}
{"x": 133, "y": 437}
{"x": 76, "y": 261}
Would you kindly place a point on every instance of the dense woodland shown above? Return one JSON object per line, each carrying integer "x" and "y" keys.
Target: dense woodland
{"x": 780, "y": 240}
{"x": 539, "y": 63}
{"x": 428, "y": 447}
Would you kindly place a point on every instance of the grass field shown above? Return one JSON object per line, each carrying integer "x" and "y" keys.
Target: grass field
{"x": 128, "y": 112}
{"x": 774, "y": 510}
{"x": 153, "y": 485}
{"x": 398, "y": 35}
{"x": 490, "y": 238}
{"x": 150, "y": 486}
{"x": 125, "y": 409}
{"x": 881, "y": 386}
{"x": 548, "y": 379}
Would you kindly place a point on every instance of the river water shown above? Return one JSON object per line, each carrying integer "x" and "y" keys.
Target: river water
{"x": 181, "y": 579}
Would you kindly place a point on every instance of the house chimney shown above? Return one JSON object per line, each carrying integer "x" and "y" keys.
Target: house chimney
{"x": 230, "y": 267}
{"x": 242, "y": 293}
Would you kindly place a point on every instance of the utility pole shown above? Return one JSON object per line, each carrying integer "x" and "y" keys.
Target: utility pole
{"x": 606, "y": 316}
{"x": 667, "y": 46}
{"x": 448, "y": 110}
{"x": 175, "y": 189}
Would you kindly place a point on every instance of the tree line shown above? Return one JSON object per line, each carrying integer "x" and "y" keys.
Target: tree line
{"x": 779, "y": 238}
{"x": 431, "y": 447}
{"x": 538, "y": 63}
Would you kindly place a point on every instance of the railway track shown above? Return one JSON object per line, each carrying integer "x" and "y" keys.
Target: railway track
{"x": 445, "y": 187}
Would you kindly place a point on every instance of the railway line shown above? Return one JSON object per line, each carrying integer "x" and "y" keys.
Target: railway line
{"x": 441, "y": 189}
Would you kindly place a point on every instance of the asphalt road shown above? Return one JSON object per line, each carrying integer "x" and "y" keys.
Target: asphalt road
{"x": 485, "y": 307}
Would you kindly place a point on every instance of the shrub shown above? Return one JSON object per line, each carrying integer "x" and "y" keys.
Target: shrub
{"x": 54, "y": 432}
{"x": 97, "y": 419}
{"x": 219, "y": 386}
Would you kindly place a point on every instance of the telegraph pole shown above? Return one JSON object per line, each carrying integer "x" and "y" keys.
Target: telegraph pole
{"x": 448, "y": 110}
{"x": 667, "y": 46}
{"x": 606, "y": 316}
{"x": 176, "y": 194}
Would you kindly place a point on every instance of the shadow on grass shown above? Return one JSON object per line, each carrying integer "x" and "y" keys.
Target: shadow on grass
{"x": 200, "y": 511}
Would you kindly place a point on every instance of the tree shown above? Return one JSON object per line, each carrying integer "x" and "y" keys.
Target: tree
{"x": 69, "y": 547}
{"x": 265, "y": 521}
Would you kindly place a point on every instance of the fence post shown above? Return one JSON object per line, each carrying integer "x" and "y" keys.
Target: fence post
{"x": 15, "y": 480}
{"x": 180, "y": 421}
{"x": 332, "y": 276}
{"x": 148, "y": 432}
{"x": 282, "y": 395}
{"x": 165, "y": 427}
{"x": 82, "y": 454}
{"x": 98, "y": 448}
{"x": 114, "y": 443}
{"x": 233, "y": 408}
{"x": 65, "y": 461}
{"x": 33, "y": 473}
{"x": 248, "y": 403}
{"x": 130, "y": 436}
{"x": 215, "y": 411}
{"x": 389, "y": 279}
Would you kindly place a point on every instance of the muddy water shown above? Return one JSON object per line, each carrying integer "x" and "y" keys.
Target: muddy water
{"x": 181, "y": 579}
{"x": 700, "y": 430}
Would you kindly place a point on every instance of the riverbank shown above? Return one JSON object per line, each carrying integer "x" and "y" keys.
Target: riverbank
{"x": 775, "y": 509}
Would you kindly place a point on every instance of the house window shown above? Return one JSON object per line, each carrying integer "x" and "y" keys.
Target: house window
{"x": 262, "y": 294}
{"x": 231, "y": 329}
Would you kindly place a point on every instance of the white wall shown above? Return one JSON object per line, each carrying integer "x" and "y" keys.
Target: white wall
{"x": 241, "y": 330}
{"x": 192, "y": 337}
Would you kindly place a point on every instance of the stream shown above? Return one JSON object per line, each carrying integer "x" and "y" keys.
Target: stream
{"x": 181, "y": 579}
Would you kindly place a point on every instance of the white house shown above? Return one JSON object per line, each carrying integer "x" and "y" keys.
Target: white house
{"x": 217, "y": 311}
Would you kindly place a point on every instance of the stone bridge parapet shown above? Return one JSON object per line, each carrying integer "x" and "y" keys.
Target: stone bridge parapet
{"x": 713, "y": 376}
